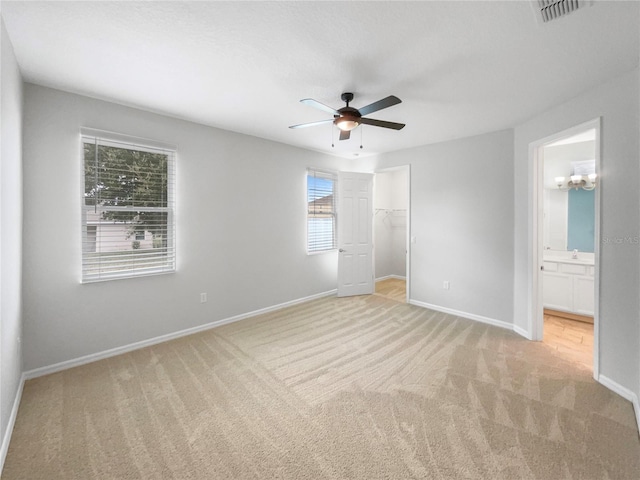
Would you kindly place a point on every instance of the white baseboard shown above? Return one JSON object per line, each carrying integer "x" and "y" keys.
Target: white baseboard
{"x": 75, "y": 362}
{"x": 521, "y": 331}
{"x": 6, "y": 439}
{"x": 471, "y": 316}
{"x": 624, "y": 393}
{"x": 386, "y": 277}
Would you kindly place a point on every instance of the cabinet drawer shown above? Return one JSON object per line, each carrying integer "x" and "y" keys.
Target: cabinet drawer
{"x": 573, "y": 269}
{"x": 550, "y": 266}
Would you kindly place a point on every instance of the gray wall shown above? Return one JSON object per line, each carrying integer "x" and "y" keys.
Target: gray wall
{"x": 617, "y": 103}
{"x": 461, "y": 199}
{"x": 10, "y": 233}
{"x": 241, "y": 209}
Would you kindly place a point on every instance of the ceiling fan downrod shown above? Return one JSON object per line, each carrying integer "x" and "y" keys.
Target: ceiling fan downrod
{"x": 347, "y": 97}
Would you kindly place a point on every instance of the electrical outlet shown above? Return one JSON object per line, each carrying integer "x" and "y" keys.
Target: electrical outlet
{"x": 445, "y": 284}
{"x": 203, "y": 298}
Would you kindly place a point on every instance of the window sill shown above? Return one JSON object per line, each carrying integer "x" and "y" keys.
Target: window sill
{"x": 109, "y": 278}
{"x": 321, "y": 252}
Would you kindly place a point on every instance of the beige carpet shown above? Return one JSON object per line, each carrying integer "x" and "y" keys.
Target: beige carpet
{"x": 354, "y": 388}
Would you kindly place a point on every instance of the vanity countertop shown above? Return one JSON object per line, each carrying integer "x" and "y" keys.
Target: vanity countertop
{"x": 568, "y": 259}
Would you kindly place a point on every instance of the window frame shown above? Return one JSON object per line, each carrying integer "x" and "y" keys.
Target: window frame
{"x": 122, "y": 141}
{"x": 329, "y": 175}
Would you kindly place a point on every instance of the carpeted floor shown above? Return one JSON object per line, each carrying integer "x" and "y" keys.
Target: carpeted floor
{"x": 337, "y": 388}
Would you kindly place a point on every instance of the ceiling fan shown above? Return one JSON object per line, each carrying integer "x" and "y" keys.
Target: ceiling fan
{"x": 347, "y": 118}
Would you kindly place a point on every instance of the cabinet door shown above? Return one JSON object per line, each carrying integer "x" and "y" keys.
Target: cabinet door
{"x": 557, "y": 291}
{"x": 583, "y": 295}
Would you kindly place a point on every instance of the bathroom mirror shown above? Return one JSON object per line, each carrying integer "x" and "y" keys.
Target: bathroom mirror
{"x": 569, "y": 213}
{"x": 581, "y": 220}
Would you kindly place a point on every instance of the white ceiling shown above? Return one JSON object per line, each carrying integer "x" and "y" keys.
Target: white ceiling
{"x": 461, "y": 68}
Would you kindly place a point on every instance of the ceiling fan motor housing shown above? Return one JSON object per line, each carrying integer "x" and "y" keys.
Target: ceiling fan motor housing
{"x": 349, "y": 117}
{"x": 348, "y": 112}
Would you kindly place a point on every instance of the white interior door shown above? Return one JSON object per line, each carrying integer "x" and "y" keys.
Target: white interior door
{"x": 355, "y": 234}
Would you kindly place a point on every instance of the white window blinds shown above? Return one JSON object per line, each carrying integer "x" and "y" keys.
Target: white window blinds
{"x": 321, "y": 211}
{"x": 128, "y": 226}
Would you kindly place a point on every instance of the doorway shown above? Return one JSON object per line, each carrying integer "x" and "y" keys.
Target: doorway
{"x": 565, "y": 244}
{"x": 391, "y": 233}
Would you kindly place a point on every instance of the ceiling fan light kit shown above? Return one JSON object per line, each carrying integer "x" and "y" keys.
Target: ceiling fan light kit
{"x": 346, "y": 124}
{"x": 348, "y": 118}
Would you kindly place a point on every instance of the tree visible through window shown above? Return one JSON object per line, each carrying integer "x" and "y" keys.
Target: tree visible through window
{"x": 127, "y": 209}
{"x": 321, "y": 211}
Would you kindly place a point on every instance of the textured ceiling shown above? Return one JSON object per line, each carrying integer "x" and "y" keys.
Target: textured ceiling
{"x": 461, "y": 68}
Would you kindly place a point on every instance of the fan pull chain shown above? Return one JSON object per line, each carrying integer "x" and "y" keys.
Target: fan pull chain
{"x": 361, "y": 129}
{"x": 332, "y": 145}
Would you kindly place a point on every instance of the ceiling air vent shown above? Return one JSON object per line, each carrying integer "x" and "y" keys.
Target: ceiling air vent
{"x": 547, "y": 10}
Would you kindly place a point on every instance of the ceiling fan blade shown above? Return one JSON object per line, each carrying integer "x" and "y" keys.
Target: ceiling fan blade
{"x": 390, "y": 101}
{"x": 382, "y": 123}
{"x": 311, "y": 124}
{"x": 344, "y": 135}
{"x": 314, "y": 103}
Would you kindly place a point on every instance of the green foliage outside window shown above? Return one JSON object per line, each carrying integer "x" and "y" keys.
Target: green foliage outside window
{"x": 120, "y": 177}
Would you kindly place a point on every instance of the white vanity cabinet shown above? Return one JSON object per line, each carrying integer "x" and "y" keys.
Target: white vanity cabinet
{"x": 568, "y": 286}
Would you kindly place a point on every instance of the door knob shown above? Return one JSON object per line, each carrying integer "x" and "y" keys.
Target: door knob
{"x": 342, "y": 250}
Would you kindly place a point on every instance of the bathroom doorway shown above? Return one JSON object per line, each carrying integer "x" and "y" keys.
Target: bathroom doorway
{"x": 565, "y": 318}
{"x": 391, "y": 233}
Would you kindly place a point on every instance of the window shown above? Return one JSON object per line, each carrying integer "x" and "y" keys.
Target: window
{"x": 321, "y": 211}
{"x": 127, "y": 207}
